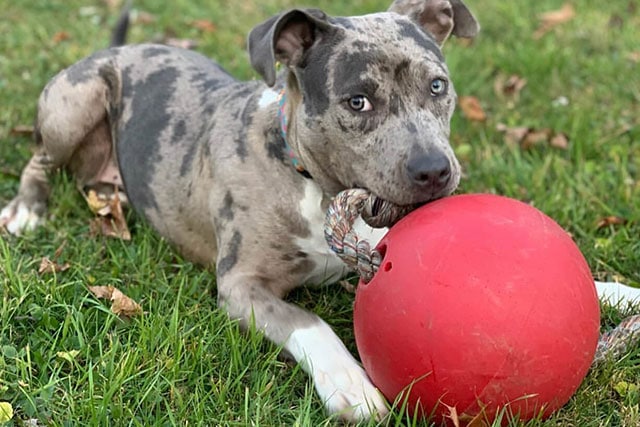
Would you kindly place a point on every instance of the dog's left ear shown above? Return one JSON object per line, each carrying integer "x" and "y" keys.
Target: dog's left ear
{"x": 285, "y": 38}
{"x": 441, "y": 18}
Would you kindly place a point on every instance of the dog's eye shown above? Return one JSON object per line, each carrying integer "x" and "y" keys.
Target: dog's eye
{"x": 360, "y": 103}
{"x": 438, "y": 87}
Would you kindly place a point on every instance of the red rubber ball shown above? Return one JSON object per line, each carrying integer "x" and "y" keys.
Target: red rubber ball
{"x": 481, "y": 301}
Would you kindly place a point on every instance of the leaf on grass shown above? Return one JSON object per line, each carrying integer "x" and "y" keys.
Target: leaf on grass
{"x": 509, "y": 87}
{"x": 181, "y": 43}
{"x": 6, "y": 412}
{"x": 22, "y": 130}
{"x": 47, "y": 266}
{"x": 109, "y": 220}
{"x": 121, "y": 304}
{"x": 143, "y": 18}
{"x": 610, "y": 221}
{"x": 471, "y": 108}
{"x": 550, "y": 20}
{"x": 69, "y": 356}
{"x": 560, "y": 140}
{"x": 204, "y": 25}
{"x": 624, "y": 388}
{"x": 634, "y": 56}
{"x": 113, "y": 4}
{"x": 96, "y": 203}
{"x": 527, "y": 137}
{"x": 60, "y": 36}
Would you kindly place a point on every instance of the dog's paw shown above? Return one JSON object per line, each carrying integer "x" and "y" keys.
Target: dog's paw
{"x": 19, "y": 216}
{"x": 340, "y": 381}
{"x": 348, "y": 392}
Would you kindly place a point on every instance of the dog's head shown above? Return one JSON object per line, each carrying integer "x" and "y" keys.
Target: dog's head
{"x": 369, "y": 97}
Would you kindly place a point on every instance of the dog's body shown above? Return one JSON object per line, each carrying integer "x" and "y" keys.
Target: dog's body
{"x": 205, "y": 158}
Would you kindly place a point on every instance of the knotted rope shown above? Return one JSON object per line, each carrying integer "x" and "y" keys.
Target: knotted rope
{"x": 339, "y": 231}
{"x": 357, "y": 253}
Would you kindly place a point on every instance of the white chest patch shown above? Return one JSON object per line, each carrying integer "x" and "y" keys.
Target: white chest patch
{"x": 328, "y": 267}
{"x": 267, "y": 98}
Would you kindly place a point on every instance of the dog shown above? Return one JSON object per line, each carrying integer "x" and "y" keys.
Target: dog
{"x": 238, "y": 175}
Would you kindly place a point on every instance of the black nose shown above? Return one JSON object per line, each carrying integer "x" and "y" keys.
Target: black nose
{"x": 431, "y": 171}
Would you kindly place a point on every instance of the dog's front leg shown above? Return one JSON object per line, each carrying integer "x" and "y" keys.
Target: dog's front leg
{"x": 339, "y": 379}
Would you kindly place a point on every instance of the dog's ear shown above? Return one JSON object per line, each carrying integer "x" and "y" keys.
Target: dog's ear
{"x": 441, "y": 18}
{"x": 284, "y": 38}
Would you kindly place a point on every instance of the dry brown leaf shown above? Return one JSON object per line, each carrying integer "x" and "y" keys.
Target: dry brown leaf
{"x": 204, "y": 25}
{"x": 181, "y": 43}
{"x": 610, "y": 220}
{"x": 550, "y": 20}
{"x": 22, "y": 130}
{"x": 121, "y": 304}
{"x": 560, "y": 140}
{"x": 509, "y": 87}
{"x": 471, "y": 108}
{"x": 527, "y": 137}
{"x": 96, "y": 203}
{"x": 110, "y": 220}
{"x": 634, "y": 56}
{"x": 47, "y": 266}
{"x": 143, "y": 18}
{"x": 535, "y": 137}
{"x": 60, "y": 36}
{"x": 113, "y": 4}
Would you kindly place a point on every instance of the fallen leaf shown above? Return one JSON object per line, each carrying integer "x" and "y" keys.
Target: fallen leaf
{"x": 143, "y": 18}
{"x": 609, "y": 221}
{"x": 181, "y": 43}
{"x": 550, "y": 20}
{"x": 113, "y": 4}
{"x": 69, "y": 356}
{"x": 527, "y": 137}
{"x": 48, "y": 266}
{"x": 513, "y": 135}
{"x": 616, "y": 22}
{"x": 109, "y": 220}
{"x": 22, "y": 130}
{"x": 560, "y": 140}
{"x": 471, "y": 108}
{"x": 509, "y": 87}
{"x": 60, "y": 36}
{"x": 634, "y": 56}
{"x": 121, "y": 304}
{"x": 204, "y": 25}
{"x": 59, "y": 250}
{"x": 6, "y": 412}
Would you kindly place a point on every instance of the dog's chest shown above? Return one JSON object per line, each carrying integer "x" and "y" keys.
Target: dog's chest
{"x": 328, "y": 268}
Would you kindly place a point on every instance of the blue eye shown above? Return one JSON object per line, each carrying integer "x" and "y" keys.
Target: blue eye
{"x": 360, "y": 103}
{"x": 438, "y": 87}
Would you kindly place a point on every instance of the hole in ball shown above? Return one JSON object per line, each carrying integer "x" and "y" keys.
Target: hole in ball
{"x": 387, "y": 266}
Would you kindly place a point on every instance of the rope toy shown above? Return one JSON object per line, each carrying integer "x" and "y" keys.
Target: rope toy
{"x": 358, "y": 255}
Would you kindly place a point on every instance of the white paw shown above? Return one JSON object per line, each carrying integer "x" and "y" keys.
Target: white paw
{"x": 17, "y": 217}
{"x": 339, "y": 380}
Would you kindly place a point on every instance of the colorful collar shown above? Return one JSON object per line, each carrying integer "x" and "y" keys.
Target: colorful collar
{"x": 282, "y": 99}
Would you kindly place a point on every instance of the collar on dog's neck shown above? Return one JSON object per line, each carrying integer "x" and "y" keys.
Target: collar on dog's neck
{"x": 282, "y": 117}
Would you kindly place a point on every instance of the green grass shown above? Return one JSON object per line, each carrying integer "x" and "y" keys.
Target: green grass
{"x": 66, "y": 360}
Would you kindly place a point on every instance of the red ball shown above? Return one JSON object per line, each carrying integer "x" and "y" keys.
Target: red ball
{"x": 481, "y": 301}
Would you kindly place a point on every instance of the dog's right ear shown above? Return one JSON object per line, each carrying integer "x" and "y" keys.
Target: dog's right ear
{"x": 441, "y": 18}
{"x": 284, "y": 38}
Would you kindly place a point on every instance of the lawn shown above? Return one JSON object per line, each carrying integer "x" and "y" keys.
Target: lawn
{"x": 567, "y": 141}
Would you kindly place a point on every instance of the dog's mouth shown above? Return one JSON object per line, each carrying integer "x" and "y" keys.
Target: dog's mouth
{"x": 379, "y": 212}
